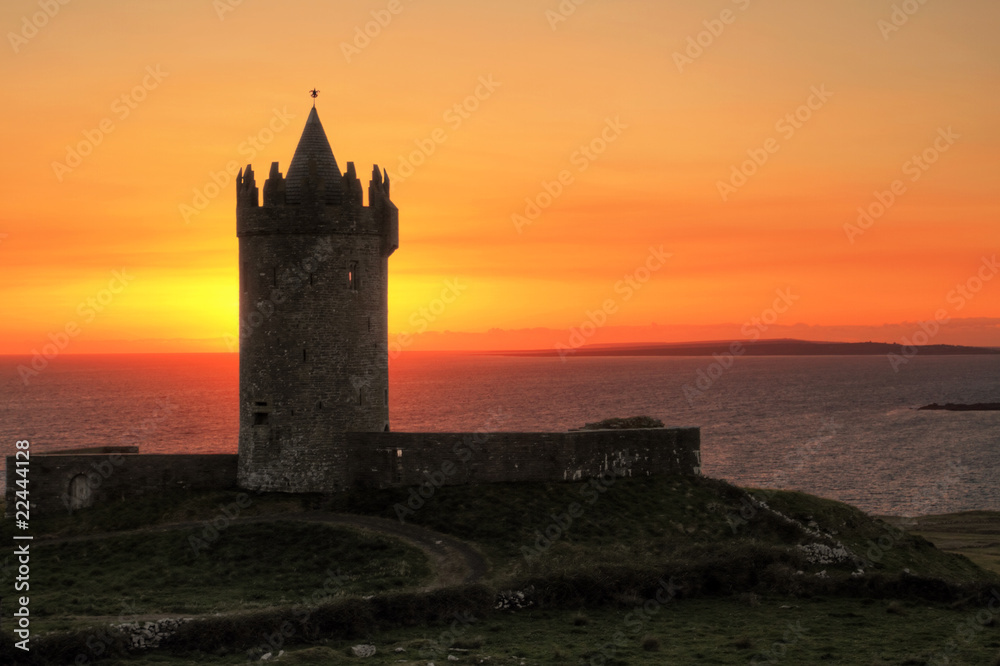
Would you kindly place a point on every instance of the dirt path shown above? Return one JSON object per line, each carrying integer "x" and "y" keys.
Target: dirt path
{"x": 454, "y": 562}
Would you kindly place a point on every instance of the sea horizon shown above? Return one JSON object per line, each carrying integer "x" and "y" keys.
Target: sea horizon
{"x": 843, "y": 427}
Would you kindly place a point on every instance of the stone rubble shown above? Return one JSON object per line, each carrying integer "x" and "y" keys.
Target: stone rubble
{"x": 148, "y": 635}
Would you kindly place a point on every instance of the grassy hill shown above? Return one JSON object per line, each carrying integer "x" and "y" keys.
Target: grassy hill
{"x": 563, "y": 554}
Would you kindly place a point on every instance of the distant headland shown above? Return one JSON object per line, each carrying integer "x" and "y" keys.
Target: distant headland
{"x": 783, "y": 347}
{"x": 955, "y": 407}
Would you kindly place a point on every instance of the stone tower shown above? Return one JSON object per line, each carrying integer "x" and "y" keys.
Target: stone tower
{"x": 313, "y": 316}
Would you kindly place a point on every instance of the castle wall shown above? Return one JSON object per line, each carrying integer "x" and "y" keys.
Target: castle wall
{"x": 57, "y": 482}
{"x": 373, "y": 460}
{"x": 313, "y": 318}
{"x": 409, "y": 459}
{"x": 313, "y": 356}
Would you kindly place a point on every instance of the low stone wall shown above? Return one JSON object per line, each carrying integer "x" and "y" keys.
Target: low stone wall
{"x": 409, "y": 459}
{"x": 64, "y": 482}
{"x": 70, "y": 481}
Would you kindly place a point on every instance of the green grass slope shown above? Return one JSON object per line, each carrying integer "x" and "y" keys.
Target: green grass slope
{"x": 592, "y": 546}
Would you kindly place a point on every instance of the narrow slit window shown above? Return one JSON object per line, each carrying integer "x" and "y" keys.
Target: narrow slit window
{"x": 311, "y": 282}
{"x": 303, "y": 354}
{"x": 361, "y": 395}
{"x": 353, "y": 279}
{"x": 397, "y": 470}
{"x": 261, "y": 413}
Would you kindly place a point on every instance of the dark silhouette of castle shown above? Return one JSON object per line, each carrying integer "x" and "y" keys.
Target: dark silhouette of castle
{"x": 314, "y": 389}
{"x": 314, "y": 393}
{"x": 313, "y": 314}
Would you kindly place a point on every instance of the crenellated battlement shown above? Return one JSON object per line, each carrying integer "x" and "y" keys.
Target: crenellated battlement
{"x": 313, "y": 190}
{"x": 312, "y": 214}
{"x": 274, "y": 187}
{"x": 315, "y": 197}
{"x": 246, "y": 189}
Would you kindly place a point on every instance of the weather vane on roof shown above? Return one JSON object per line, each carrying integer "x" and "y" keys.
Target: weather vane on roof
{"x": 314, "y": 94}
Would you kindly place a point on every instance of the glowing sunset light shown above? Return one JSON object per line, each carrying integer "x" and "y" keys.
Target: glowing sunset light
{"x": 845, "y": 152}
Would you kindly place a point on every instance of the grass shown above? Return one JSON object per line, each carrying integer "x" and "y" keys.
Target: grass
{"x": 974, "y": 534}
{"x": 649, "y": 521}
{"x": 699, "y": 631}
{"x": 584, "y": 554}
{"x": 253, "y": 565}
{"x": 159, "y": 509}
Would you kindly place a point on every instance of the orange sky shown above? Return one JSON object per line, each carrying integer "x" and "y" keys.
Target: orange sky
{"x": 201, "y": 77}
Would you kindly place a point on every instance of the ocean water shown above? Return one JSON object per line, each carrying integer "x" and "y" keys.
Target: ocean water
{"x": 839, "y": 427}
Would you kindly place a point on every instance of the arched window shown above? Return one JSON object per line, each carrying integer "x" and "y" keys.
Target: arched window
{"x": 79, "y": 493}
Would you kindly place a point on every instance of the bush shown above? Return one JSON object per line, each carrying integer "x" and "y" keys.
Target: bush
{"x": 624, "y": 424}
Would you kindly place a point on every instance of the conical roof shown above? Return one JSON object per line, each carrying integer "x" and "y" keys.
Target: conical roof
{"x": 313, "y": 146}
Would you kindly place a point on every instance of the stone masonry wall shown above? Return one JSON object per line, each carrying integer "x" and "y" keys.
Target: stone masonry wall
{"x": 375, "y": 460}
{"x": 115, "y": 476}
{"x": 408, "y": 459}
